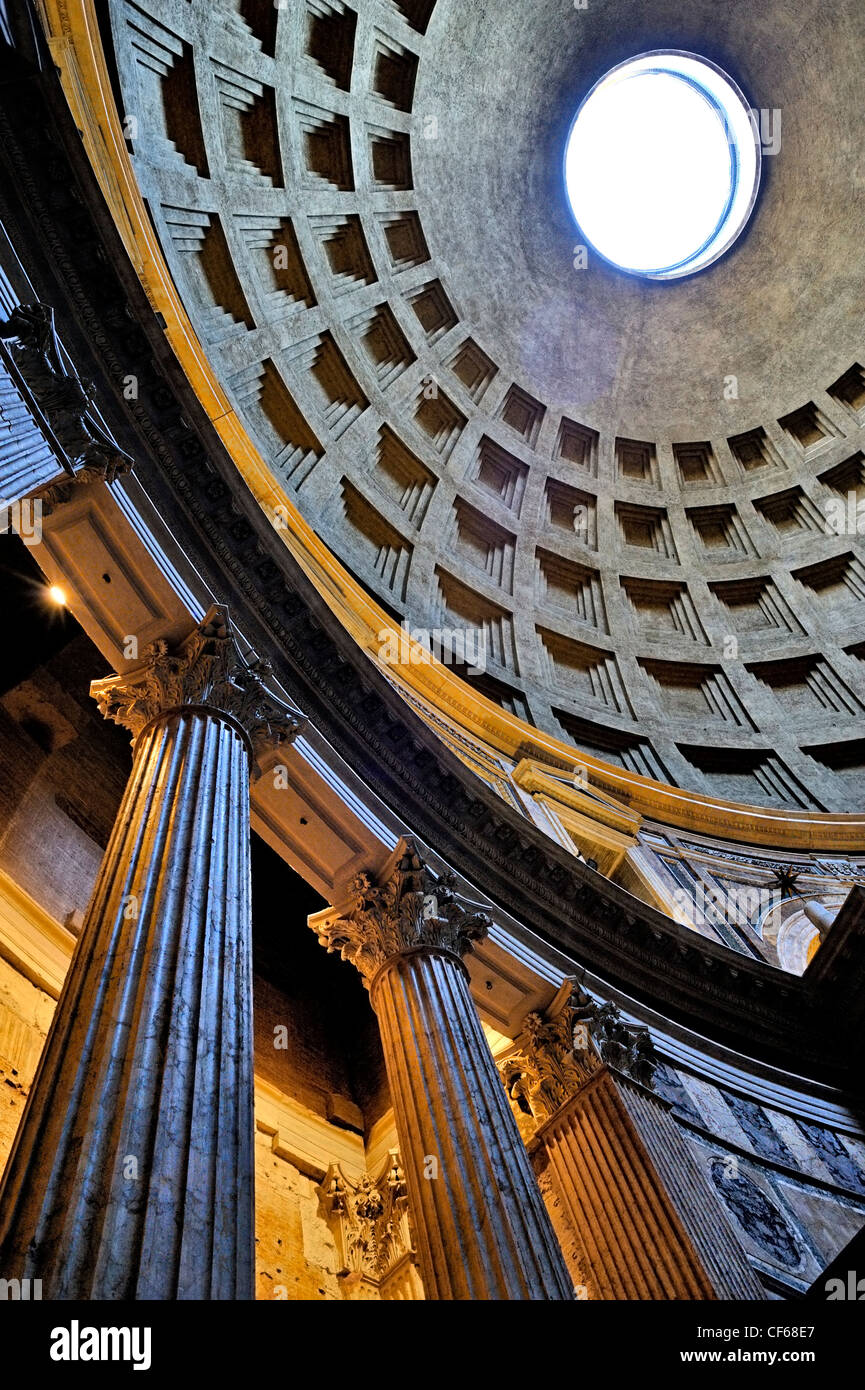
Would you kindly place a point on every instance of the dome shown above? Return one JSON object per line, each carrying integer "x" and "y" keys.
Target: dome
{"x": 431, "y": 459}
{"x": 622, "y": 509}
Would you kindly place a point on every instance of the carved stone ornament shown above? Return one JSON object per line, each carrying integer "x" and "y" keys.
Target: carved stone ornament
{"x": 545, "y": 1072}
{"x": 369, "y": 1219}
{"x": 561, "y": 1049}
{"x": 207, "y": 669}
{"x": 64, "y": 400}
{"x": 626, "y": 1047}
{"x": 412, "y": 908}
{"x": 64, "y": 488}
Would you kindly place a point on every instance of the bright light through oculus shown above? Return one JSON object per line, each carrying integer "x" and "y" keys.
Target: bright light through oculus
{"x": 662, "y": 165}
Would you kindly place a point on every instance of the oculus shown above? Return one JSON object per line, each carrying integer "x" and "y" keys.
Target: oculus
{"x": 662, "y": 165}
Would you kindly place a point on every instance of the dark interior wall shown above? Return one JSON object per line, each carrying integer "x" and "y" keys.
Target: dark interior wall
{"x": 332, "y": 1050}
{"x": 62, "y": 767}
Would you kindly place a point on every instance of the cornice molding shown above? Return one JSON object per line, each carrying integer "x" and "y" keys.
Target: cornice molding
{"x": 31, "y": 940}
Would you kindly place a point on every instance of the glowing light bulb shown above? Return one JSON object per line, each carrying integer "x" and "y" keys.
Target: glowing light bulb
{"x": 57, "y": 595}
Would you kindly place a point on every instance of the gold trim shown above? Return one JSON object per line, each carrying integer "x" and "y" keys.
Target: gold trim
{"x": 539, "y": 780}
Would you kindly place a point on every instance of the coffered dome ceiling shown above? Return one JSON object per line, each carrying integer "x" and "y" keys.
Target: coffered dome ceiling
{"x": 643, "y": 494}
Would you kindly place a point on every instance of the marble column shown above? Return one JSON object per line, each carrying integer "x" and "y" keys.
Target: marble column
{"x": 132, "y": 1172}
{"x": 481, "y": 1227}
{"x": 820, "y": 916}
{"x": 641, "y": 1219}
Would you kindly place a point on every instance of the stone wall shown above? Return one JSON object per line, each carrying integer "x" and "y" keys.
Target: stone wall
{"x": 25, "y": 1015}
{"x": 62, "y": 771}
{"x": 792, "y": 1182}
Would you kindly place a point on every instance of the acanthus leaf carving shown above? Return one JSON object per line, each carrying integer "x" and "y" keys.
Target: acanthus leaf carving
{"x": 369, "y": 1218}
{"x": 64, "y": 400}
{"x": 558, "y": 1051}
{"x": 207, "y": 669}
{"x": 626, "y": 1047}
{"x": 412, "y": 909}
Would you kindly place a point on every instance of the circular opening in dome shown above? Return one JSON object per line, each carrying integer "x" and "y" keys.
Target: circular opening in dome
{"x": 662, "y": 165}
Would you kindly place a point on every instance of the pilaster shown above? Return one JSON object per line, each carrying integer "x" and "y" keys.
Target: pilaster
{"x": 618, "y": 1175}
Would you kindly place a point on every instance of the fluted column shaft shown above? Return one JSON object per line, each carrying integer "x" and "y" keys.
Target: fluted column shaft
{"x": 132, "y": 1174}
{"x": 649, "y": 1223}
{"x": 481, "y": 1226}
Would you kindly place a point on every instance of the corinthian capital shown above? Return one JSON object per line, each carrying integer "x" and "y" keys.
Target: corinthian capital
{"x": 369, "y": 1218}
{"x": 626, "y": 1047}
{"x": 206, "y": 670}
{"x": 64, "y": 401}
{"x": 544, "y": 1071}
{"x": 562, "y": 1048}
{"x": 410, "y": 909}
